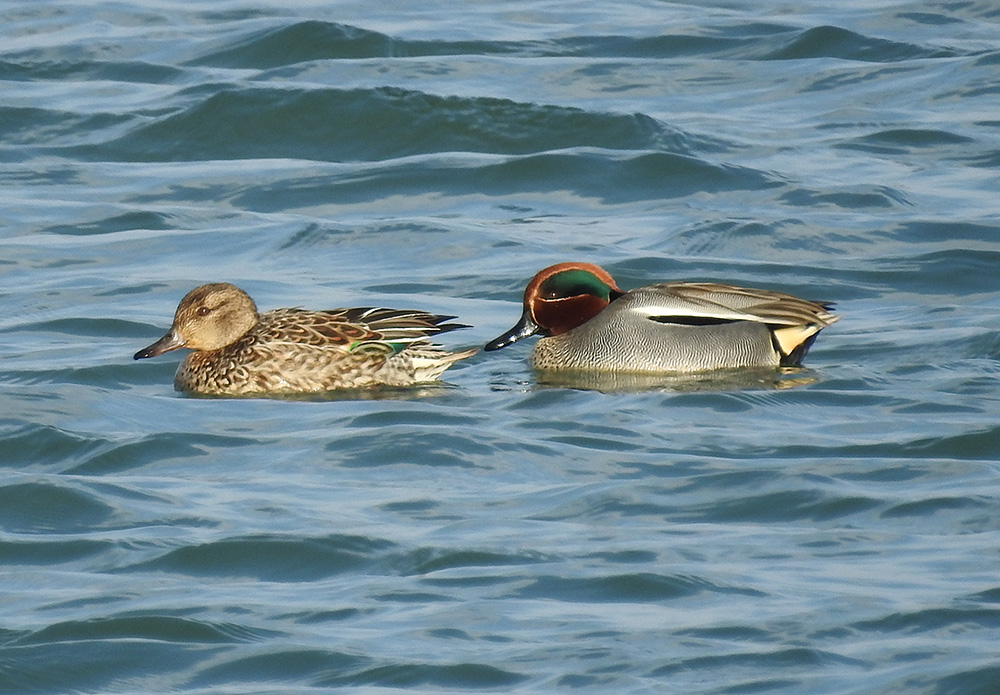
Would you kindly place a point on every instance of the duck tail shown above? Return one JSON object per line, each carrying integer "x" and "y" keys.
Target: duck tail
{"x": 793, "y": 342}
{"x": 430, "y": 364}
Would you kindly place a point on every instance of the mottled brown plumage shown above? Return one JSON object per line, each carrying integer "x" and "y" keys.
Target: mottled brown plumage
{"x": 238, "y": 351}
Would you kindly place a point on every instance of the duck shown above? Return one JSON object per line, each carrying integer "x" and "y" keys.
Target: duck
{"x": 588, "y": 324}
{"x": 236, "y": 350}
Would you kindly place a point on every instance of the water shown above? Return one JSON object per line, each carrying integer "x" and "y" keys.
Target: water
{"x": 834, "y": 532}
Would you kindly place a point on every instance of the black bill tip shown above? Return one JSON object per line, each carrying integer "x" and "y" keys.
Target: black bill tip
{"x": 524, "y": 328}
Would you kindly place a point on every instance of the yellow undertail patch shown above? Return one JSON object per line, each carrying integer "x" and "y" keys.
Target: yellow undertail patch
{"x": 791, "y": 337}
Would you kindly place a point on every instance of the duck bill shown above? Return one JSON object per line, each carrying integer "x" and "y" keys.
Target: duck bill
{"x": 524, "y": 328}
{"x": 171, "y": 341}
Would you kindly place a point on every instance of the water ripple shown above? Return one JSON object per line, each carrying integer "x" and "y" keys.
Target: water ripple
{"x": 830, "y": 530}
{"x": 318, "y": 40}
{"x": 155, "y": 628}
{"x": 373, "y": 124}
{"x": 270, "y": 558}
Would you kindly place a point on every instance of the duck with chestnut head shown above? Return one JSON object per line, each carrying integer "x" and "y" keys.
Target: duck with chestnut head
{"x": 587, "y": 323}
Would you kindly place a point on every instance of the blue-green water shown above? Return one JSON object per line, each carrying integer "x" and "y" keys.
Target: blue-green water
{"x": 839, "y": 535}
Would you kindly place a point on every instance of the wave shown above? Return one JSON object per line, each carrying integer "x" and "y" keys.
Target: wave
{"x": 39, "y": 506}
{"x": 315, "y": 40}
{"x": 580, "y": 173}
{"x": 271, "y": 558}
{"x": 837, "y": 42}
{"x": 374, "y": 124}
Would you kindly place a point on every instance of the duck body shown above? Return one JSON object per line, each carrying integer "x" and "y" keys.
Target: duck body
{"x": 588, "y": 324}
{"x": 237, "y": 351}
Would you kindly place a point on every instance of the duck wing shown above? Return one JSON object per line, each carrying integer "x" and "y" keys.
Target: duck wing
{"x": 361, "y": 328}
{"x": 710, "y": 302}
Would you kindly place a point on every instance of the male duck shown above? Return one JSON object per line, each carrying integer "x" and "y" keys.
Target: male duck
{"x": 588, "y": 324}
{"x": 239, "y": 351}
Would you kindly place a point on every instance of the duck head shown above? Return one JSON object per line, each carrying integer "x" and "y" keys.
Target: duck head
{"x": 560, "y": 298}
{"x": 208, "y": 318}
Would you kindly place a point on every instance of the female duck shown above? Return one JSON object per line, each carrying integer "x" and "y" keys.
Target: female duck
{"x": 238, "y": 351}
{"x": 587, "y": 323}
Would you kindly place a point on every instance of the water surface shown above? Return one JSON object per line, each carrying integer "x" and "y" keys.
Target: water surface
{"x": 833, "y": 531}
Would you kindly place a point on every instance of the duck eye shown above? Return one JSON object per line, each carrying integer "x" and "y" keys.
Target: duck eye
{"x": 203, "y": 311}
